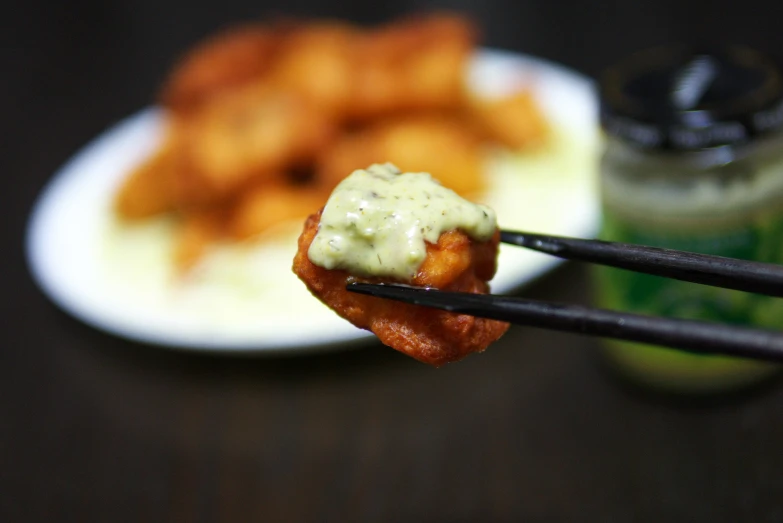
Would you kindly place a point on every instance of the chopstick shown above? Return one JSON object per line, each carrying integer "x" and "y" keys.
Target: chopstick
{"x": 717, "y": 271}
{"x": 689, "y": 335}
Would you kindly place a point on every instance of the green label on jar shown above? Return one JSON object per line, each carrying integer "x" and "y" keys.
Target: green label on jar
{"x": 758, "y": 238}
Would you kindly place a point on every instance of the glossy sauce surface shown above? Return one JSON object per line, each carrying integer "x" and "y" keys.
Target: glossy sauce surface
{"x": 378, "y": 220}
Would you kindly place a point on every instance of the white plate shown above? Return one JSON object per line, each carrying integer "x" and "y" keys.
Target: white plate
{"x": 245, "y": 298}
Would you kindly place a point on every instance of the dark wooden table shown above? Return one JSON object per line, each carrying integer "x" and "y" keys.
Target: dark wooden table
{"x": 95, "y": 428}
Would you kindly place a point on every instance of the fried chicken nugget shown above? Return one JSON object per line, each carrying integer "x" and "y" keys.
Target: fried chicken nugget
{"x": 222, "y": 62}
{"x": 349, "y": 152}
{"x": 443, "y": 146}
{"x": 149, "y": 189}
{"x": 198, "y": 230}
{"x": 262, "y": 207}
{"x": 434, "y": 74}
{"x": 515, "y": 121}
{"x": 316, "y": 60}
{"x": 455, "y": 263}
{"x": 412, "y": 64}
{"x": 253, "y": 133}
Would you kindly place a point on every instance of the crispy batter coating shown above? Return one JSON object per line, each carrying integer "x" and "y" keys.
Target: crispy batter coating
{"x": 224, "y": 61}
{"x": 198, "y": 231}
{"x": 515, "y": 121}
{"x": 254, "y": 133}
{"x": 317, "y": 61}
{"x": 147, "y": 190}
{"x": 442, "y": 146}
{"x": 455, "y": 263}
{"x": 264, "y": 206}
{"x": 150, "y": 188}
{"x": 412, "y": 64}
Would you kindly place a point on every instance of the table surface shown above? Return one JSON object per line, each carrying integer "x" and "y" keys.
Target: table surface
{"x": 95, "y": 428}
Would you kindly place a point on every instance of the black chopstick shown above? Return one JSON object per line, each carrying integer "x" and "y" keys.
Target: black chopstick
{"x": 689, "y": 335}
{"x": 717, "y": 271}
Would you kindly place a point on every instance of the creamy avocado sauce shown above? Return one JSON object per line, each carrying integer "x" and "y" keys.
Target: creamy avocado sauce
{"x": 377, "y": 220}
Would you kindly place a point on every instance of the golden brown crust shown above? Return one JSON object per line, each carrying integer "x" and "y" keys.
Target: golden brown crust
{"x": 441, "y": 145}
{"x": 317, "y": 61}
{"x": 412, "y": 64}
{"x": 253, "y": 134}
{"x": 455, "y": 263}
{"x": 199, "y": 230}
{"x": 260, "y": 208}
{"x": 149, "y": 189}
{"x": 515, "y": 121}
{"x": 224, "y": 61}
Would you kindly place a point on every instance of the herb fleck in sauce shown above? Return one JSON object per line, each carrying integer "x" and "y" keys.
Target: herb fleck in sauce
{"x": 378, "y": 220}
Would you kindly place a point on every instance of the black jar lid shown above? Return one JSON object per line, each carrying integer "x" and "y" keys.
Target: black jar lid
{"x": 680, "y": 98}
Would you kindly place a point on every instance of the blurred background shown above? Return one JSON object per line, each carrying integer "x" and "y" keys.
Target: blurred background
{"x": 70, "y": 70}
{"x": 94, "y": 428}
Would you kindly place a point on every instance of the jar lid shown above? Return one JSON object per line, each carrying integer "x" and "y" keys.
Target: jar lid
{"x": 681, "y": 98}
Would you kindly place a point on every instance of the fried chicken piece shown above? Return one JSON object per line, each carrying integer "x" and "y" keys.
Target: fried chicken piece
{"x": 262, "y": 207}
{"x": 145, "y": 191}
{"x": 455, "y": 263}
{"x": 515, "y": 121}
{"x": 434, "y": 73}
{"x": 349, "y": 152}
{"x": 222, "y": 62}
{"x": 443, "y": 146}
{"x": 317, "y": 61}
{"x": 149, "y": 189}
{"x": 412, "y": 64}
{"x": 254, "y": 211}
{"x": 198, "y": 230}
{"x": 252, "y": 134}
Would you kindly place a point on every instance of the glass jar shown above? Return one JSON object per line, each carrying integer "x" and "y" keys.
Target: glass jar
{"x": 693, "y": 161}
